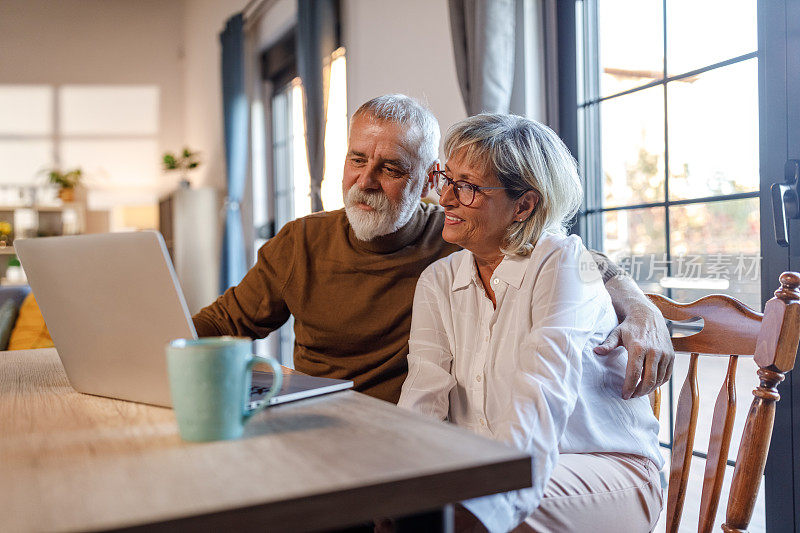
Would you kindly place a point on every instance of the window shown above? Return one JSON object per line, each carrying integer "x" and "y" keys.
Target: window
{"x": 669, "y": 148}
{"x": 290, "y": 163}
{"x": 336, "y": 122}
{"x": 289, "y": 183}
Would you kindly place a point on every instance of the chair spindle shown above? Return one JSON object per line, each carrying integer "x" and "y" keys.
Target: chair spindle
{"x": 718, "y": 446}
{"x": 683, "y": 444}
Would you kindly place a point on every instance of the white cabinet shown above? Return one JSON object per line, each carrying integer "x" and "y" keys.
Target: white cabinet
{"x": 189, "y": 220}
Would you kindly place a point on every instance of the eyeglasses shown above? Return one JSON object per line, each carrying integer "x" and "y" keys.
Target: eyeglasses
{"x": 464, "y": 191}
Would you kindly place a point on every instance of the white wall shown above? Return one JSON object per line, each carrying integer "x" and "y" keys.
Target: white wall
{"x": 401, "y": 47}
{"x": 202, "y": 106}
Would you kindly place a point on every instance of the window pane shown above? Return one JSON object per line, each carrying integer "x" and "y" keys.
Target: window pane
{"x": 258, "y": 161}
{"x": 691, "y": 507}
{"x": 632, "y": 138}
{"x": 97, "y": 110}
{"x": 281, "y": 159}
{"x": 713, "y": 132}
{"x": 335, "y": 137}
{"x": 300, "y": 174}
{"x": 284, "y": 192}
{"x": 24, "y": 161}
{"x": 622, "y": 64}
{"x": 704, "y": 33}
{"x": 636, "y": 240}
{"x": 716, "y": 249}
{"x": 26, "y": 110}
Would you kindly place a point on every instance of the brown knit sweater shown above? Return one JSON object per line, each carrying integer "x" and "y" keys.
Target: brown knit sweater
{"x": 351, "y": 299}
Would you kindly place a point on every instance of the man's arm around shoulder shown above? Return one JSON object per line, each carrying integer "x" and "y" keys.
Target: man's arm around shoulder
{"x": 642, "y": 332}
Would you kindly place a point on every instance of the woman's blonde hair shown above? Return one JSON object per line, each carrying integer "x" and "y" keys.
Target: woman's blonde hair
{"x": 524, "y": 155}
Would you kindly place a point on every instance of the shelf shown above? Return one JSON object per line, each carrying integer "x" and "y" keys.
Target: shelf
{"x": 56, "y": 208}
{"x": 42, "y": 208}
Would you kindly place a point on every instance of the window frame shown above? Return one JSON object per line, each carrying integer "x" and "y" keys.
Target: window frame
{"x": 585, "y": 145}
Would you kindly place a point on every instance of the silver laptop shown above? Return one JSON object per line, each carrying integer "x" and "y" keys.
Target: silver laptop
{"x": 111, "y": 303}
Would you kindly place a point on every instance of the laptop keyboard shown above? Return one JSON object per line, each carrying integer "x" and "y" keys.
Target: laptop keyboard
{"x": 256, "y": 392}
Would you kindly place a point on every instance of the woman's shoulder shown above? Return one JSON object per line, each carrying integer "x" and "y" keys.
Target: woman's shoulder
{"x": 567, "y": 255}
{"x": 558, "y": 246}
{"x": 444, "y": 270}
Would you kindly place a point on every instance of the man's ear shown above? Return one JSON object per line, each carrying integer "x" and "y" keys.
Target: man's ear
{"x": 525, "y": 206}
{"x": 428, "y": 185}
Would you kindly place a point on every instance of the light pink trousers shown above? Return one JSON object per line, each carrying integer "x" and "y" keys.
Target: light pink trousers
{"x": 599, "y": 492}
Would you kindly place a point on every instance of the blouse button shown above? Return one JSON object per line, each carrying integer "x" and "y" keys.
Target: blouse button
{"x": 477, "y": 378}
{"x": 495, "y": 281}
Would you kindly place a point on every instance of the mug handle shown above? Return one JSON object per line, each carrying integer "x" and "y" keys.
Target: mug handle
{"x": 277, "y": 381}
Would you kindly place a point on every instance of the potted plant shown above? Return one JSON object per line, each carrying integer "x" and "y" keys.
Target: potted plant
{"x": 67, "y": 181}
{"x": 184, "y": 162}
{"x": 5, "y": 233}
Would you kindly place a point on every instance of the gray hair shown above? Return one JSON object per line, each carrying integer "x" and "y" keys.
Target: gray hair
{"x": 524, "y": 155}
{"x": 404, "y": 110}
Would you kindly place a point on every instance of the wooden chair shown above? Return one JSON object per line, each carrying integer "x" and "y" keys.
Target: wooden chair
{"x": 732, "y": 329}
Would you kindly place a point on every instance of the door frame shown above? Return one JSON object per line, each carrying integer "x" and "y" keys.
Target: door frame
{"x": 779, "y": 140}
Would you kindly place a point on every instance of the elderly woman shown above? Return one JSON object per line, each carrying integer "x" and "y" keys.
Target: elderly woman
{"x": 503, "y": 332}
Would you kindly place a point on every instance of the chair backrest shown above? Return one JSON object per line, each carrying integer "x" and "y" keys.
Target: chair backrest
{"x": 732, "y": 329}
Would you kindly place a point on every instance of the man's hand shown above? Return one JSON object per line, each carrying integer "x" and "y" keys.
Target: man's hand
{"x": 644, "y": 334}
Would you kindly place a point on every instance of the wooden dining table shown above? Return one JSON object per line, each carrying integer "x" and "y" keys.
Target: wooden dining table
{"x": 71, "y": 461}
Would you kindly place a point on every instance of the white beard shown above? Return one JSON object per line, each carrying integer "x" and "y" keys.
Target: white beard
{"x": 386, "y": 217}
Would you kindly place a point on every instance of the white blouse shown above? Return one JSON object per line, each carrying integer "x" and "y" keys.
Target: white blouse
{"x": 524, "y": 373}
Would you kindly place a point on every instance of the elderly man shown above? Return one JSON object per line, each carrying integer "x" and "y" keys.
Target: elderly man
{"x": 348, "y": 276}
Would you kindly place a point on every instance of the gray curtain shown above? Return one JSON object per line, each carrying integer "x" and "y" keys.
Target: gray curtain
{"x": 317, "y": 22}
{"x": 483, "y": 45}
{"x": 236, "y": 118}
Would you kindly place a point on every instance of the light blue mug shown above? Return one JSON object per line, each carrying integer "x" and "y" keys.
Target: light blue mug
{"x": 209, "y": 382}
